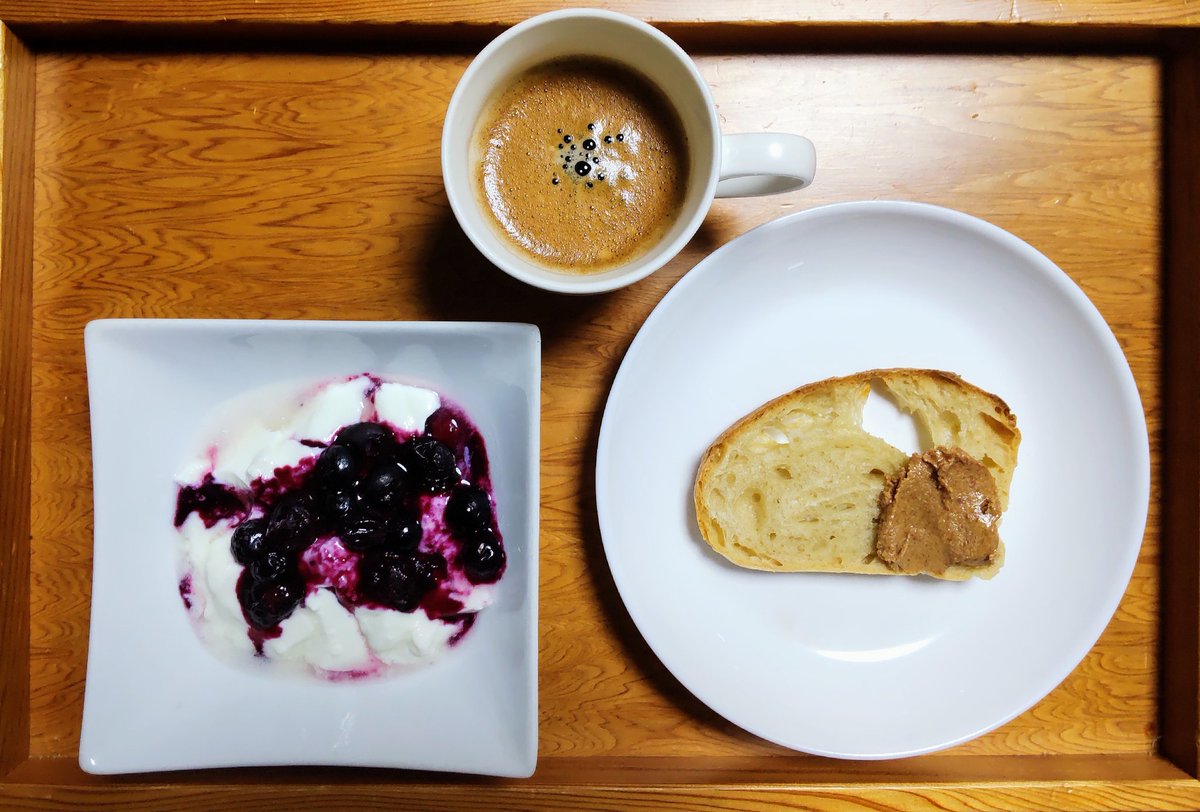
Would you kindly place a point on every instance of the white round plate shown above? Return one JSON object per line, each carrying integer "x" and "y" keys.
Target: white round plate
{"x": 861, "y": 666}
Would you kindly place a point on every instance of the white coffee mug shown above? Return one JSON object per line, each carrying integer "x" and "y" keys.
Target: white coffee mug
{"x": 740, "y": 165}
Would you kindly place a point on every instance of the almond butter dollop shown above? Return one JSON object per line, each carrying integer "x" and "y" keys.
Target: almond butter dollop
{"x": 940, "y": 509}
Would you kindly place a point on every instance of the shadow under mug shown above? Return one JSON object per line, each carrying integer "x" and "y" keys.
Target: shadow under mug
{"x": 740, "y": 165}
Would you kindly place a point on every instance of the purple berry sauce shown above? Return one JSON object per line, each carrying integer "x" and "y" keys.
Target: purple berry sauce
{"x": 211, "y": 500}
{"x": 382, "y": 517}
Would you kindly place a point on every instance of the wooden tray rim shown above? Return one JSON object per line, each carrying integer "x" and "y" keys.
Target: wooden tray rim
{"x": 1164, "y": 779}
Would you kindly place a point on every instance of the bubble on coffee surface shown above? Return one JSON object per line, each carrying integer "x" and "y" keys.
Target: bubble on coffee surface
{"x": 592, "y": 157}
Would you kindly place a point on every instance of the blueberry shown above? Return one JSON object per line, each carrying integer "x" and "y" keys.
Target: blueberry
{"x": 266, "y": 604}
{"x": 248, "y": 541}
{"x": 468, "y": 511}
{"x": 336, "y": 467}
{"x": 445, "y": 427}
{"x": 482, "y": 558}
{"x": 432, "y": 463}
{"x": 293, "y": 524}
{"x": 608, "y": 139}
{"x": 403, "y": 532}
{"x": 368, "y": 441}
{"x": 582, "y": 168}
{"x": 589, "y": 145}
{"x": 342, "y": 505}
{"x": 386, "y": 484}
{"x": 364, "y": 533}
{"x": 273, "y": 566}
{"x": 398, "y": 581}
{"x": 430, "y": 566}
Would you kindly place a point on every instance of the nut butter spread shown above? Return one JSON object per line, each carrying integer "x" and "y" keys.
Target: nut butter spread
{"x": 938, "y": 510}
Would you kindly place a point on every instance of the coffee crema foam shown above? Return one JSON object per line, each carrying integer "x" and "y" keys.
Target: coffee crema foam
{"x": 583, "y": 163}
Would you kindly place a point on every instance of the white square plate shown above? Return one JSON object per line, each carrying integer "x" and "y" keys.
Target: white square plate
{"x": 156, "y": 698}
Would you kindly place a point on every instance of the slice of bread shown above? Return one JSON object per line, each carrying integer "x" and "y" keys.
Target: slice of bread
{"x": 794, "y": 486}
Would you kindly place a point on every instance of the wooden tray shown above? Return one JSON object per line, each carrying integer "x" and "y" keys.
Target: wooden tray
{"x": 173, "y": 165}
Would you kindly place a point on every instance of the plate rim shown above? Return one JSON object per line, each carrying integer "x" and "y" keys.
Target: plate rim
{"x": 1051, "y": 273}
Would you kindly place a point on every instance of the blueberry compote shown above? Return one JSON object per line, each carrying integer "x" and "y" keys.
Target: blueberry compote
{"x": 383, "y": 517}
{"x": 210, "y": 500}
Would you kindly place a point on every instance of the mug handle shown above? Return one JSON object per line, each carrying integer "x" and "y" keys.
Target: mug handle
{"x": 755, "y": 164}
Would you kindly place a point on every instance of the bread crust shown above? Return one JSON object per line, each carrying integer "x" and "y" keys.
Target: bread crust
{"x": 741, "y": 552}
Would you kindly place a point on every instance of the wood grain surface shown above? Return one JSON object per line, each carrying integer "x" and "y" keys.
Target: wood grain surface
{"x": 1076, "y": 12}
{"x": 291, "y": 185}
{"x": 285, "y": 186}
{"x": 934, "y": 796}
{"x": 641, "y": 783}
{"x": 16, "y": 264}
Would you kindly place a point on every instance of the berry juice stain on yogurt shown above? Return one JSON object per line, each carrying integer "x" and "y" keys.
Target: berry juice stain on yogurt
{"x": 349, "y": 530}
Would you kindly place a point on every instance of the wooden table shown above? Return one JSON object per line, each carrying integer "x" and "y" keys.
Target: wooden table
{"x": 256, "y": 160}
